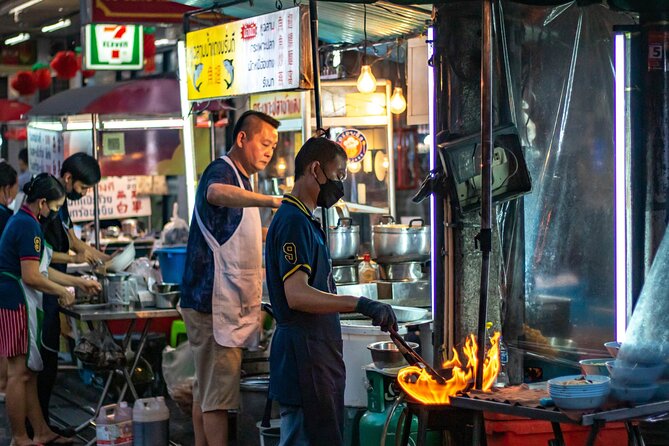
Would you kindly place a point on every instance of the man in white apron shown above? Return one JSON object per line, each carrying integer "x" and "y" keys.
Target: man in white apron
{"x": 222, "y": 283}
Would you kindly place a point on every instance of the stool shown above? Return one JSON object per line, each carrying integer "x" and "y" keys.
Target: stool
{"x": 465, "y": 426}
{"x": 178, "y": 333}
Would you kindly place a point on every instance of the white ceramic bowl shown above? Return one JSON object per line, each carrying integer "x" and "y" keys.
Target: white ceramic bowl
{"x": 613, "y": 348}
{"x": 122, "y": 260}
{"x": 580, "y": 403}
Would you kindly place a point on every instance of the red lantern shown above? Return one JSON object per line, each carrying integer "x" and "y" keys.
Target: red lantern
{"x": 42, "y": 78}
{"x": 84, "y": 73}
{"x": 24, "y": 83}
{"x": 65, "y": 64}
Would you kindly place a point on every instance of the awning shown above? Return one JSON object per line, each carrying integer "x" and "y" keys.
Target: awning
{"x": 11, "y": 110}
{"x": 137, "y": 97}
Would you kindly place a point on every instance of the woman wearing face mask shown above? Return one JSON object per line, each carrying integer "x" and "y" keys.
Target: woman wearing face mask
{"x": 24, "y": 276}
{"x": 9, "y": 187}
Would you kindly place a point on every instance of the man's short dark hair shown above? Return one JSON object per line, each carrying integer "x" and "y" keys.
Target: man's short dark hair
{"x": 23, "y": 155}
{"x": 318, "y": 149}
{"x": 83, "y": 168}
{"x": 246, "y": 120}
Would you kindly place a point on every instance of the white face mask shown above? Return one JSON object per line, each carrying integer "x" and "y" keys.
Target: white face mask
{"x": 11, "y": 204}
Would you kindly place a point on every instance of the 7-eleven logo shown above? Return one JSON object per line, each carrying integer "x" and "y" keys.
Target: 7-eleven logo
{"x": 117, "y": 44}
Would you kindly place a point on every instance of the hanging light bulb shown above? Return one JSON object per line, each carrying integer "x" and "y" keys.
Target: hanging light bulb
{"x": 366, "y": 80}
{"x": 397, "y": 102}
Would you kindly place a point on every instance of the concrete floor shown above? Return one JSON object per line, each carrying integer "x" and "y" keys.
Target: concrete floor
{"x": 73, "y": 403}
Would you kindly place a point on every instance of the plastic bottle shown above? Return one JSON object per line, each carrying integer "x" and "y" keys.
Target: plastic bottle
{"x": 151, "y": 418}
{"x": 123, "y": 420}
{"x": 114, "y": 425}
{"x": 502, "y": 376}
{"x": 368, "y": 270}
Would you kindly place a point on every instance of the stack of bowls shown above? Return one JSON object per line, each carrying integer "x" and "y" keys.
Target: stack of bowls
{"x": 579, "y": 392}
{"x": 634, "y": 383}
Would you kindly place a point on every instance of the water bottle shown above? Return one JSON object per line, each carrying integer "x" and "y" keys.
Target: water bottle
{"x": 151, "y": 418}
{"x": 502, "y": 377}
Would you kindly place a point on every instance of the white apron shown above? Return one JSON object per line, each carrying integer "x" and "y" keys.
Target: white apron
{"x": 237, "y": 289}
{"x": 35, "y": 313}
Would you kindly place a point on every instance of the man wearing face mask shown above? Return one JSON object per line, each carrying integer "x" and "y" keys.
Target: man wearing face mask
{"x": 307, "y": 375}
{"x": 79, "y": 173}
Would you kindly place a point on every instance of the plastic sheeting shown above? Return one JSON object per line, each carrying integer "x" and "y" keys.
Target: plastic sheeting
{"x": 560, "y": 64}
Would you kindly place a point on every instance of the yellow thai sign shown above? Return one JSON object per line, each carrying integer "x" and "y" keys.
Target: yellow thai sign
{"x": 253, "y": 55}
{"x": 282, "y": 105}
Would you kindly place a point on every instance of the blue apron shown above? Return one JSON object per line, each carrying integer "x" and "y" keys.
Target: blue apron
{"x": 322, "y": 377}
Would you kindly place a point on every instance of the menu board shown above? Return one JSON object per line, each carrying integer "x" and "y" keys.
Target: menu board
{"x": 117, "y": 198}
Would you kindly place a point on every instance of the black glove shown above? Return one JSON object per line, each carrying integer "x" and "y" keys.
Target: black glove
{"x": 382, "y": 314}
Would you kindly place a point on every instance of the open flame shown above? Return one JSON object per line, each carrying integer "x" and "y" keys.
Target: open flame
{"x": 421, "y": 386}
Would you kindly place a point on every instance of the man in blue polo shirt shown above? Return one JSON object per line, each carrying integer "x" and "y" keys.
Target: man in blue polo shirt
{"x": 222, "y": 283}
{"x": 307, "y": 375}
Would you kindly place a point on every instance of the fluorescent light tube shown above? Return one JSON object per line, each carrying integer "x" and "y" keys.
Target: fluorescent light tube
{"x": 164, "y": 42}
{"x": 22, "y": 6}
{"x": 17, "y": 39}
{"x": 143, "y": 124}
{"x": 60, "y": 24}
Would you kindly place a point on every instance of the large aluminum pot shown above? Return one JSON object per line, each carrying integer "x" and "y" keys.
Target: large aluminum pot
{"x": 344, "y": 239}
{"x": 393, "y": 239}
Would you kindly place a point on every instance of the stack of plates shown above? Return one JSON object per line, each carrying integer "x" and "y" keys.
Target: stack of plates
{"x": 579, "y": 392}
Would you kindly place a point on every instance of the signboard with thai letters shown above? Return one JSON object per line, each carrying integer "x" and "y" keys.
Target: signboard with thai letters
{"x": 259, "y": 54}
{"x": 117, "y": 198}
{"x": 45, "y": 151}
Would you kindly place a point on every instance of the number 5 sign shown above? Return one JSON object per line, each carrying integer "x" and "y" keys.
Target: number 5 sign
{"x": 114, "y": 47}
{"x": 658, "y": 42}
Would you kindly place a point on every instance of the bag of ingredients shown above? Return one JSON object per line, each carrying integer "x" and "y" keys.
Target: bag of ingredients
{"x": 175, "y": 232}
{"x": 179, "y": 374}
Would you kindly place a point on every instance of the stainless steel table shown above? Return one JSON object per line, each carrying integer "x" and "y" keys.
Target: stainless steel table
{"x": 108, "y": 314}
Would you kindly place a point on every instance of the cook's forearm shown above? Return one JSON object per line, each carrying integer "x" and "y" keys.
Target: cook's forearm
{"x": 236, "y": 197}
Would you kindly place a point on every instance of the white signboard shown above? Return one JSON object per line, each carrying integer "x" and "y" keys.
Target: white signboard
{"x": 118, "y": 199}
{"x": 45, "y": 151}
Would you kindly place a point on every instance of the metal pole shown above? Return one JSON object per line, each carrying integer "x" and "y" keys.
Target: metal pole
{"x": 212, "y": 136}
{"x": 313, "y": 20}
{"x": 484, "y": 237}
{"x": 95, "y": 118}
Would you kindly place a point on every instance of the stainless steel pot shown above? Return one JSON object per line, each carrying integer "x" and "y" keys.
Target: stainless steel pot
{"x": 393, "y": 239}
{"x": 344, "y": 239}
{"x": 119, "y": 290}
{"x": 398, "y": 272}
{"x": 345, "y": 275}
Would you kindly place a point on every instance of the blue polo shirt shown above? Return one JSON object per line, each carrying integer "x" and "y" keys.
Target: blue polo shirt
{"x": 5, "y": 213}
{"x": 296, "y": 242}
{"x": 22, "y": 239}
{"x": 198, "y": 279}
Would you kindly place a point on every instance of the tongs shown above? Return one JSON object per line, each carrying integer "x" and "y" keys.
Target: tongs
{"x": 412, "y": 357}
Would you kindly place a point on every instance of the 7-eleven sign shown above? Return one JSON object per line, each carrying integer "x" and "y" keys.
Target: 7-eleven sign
{"x": 114, "y": 47}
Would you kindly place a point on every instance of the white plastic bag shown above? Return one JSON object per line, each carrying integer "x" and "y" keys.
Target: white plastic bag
{"x": 175, "y": 232}
{"x": 179, "y": 374}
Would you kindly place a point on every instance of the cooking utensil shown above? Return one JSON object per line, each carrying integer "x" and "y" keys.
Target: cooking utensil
{"x": 386, "y": 355}
{"x": 166, "y": 299}
{"x": 409, "y": 314}
{"x": 399, "y": 272}
{"x": 412, "y": 357}
{"x": 344, "y": 239}
{"x": 345, "y": 275}
{"x": 392, "y": 239}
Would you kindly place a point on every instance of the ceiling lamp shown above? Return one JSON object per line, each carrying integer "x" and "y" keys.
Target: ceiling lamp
{"x": 366, "y": 81}
{"x": 60, "y": 24}
{"x": 25, "y": 5}
{"x": 17, "y": 39}
{"x": 397, "y": 102}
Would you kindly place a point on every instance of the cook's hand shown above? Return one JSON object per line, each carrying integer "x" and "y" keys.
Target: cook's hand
{"x": 85, "y": 257}
{"x": 276, "y": 202}
{"x": 65, "y": 297}
{"x": 90, "y": 287}
{"x": 382, "y": 314}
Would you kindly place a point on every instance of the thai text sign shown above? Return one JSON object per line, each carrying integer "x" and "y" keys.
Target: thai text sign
{"x": 285, "y": 105}
{"x": 117, "y": 198}
{"x": 45, "y": 151}
{"x": 249, "y": 56}
{"x": 114, "y": 47}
